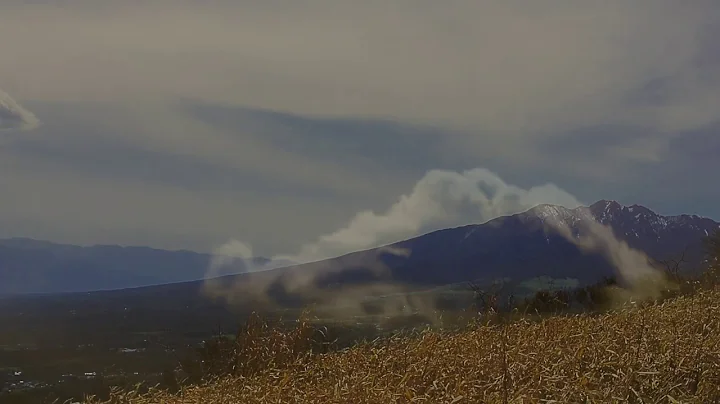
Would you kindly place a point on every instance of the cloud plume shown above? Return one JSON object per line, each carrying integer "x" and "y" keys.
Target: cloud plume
{"x": 440, "y": 199}
{"x": 14, "y": 116}
{"x": 632, "y": 266}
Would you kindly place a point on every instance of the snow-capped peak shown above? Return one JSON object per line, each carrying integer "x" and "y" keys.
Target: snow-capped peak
{"x": 609, "y": 212}
{"x": 559, "y": 214}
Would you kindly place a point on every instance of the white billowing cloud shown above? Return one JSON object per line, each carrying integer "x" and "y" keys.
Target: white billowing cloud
{"x": 227, "y": 254}
{"x": 632, "y": 266}
{"x": 14, "y": 116}
{"x": 444, "y": 199}
{"x": 440, "y": 199}
{"x": 236, "y": 256}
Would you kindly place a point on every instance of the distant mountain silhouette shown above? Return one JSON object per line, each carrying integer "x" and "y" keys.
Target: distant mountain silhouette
{"x": 33, "y": 266}
{"x": 518, "y": 247}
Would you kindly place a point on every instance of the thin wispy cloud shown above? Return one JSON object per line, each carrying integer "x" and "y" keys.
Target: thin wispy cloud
{"x": 14, "y": 115}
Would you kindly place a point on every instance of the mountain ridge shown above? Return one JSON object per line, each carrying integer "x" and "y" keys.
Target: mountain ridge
{"x": 503, "y": 242}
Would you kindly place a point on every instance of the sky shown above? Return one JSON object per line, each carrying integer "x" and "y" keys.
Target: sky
{"x": 187, "y": 124}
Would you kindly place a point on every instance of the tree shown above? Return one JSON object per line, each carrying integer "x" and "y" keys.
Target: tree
{"x": 486, "y": 300}
{"x": 712, "y": 246}
{"x": 673, "y": 266}
{"x": 712, "y": 249}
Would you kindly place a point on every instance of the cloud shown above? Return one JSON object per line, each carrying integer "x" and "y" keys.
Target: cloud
{"x": 104, "y": 137}
{"x": 440, "y": 199}
{"x": 389, "y": 143}
{"x": 174, "y": 193}
{"x": 14, "y": 116}
{"x": 632, "y": 265}
{"x": 492, "y": 68}
{"x": 499, "y": 78}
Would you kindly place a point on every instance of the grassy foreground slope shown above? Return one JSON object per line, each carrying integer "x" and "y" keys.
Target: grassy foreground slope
{"x": 662, "y": 353}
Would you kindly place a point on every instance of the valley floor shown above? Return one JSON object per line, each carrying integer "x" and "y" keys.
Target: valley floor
{"x": 664, "y": 353}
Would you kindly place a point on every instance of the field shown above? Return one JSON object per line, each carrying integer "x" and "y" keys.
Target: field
{"x": 665, "y": 352}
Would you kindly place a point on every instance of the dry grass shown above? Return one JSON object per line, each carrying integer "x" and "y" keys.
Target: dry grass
{"x": 662, "y": 353}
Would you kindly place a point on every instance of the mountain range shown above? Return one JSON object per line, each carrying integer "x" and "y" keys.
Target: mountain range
{"x": 518, "y": 247}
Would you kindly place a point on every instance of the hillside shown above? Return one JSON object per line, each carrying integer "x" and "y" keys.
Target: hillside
{"x": 659, "y": 353}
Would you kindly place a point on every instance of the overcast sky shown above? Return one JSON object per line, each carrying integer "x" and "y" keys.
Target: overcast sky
{"x": 188, "y": 123}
